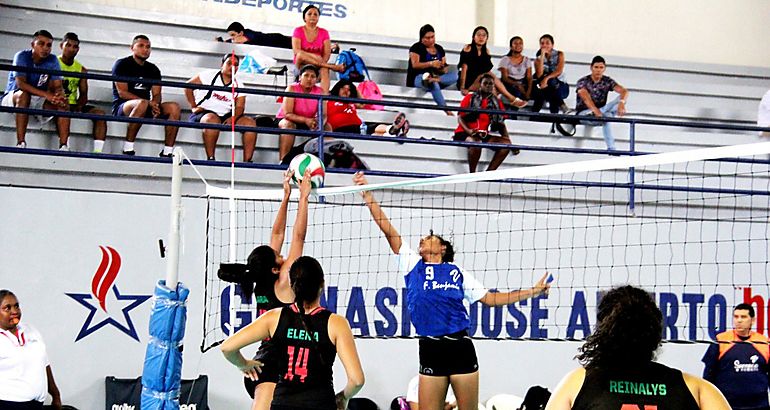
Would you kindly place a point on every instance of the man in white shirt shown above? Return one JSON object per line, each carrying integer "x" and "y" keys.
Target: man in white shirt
{"x": 216, "y": 106}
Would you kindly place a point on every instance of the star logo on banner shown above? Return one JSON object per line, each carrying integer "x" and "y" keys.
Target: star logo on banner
{"x": 96, "y": 302}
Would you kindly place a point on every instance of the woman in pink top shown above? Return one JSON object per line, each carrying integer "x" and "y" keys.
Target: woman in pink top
{"x": 300, "y": 113}
{"x": 311, "y": 45}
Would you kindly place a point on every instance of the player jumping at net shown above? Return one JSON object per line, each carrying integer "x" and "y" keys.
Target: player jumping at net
{"x": 307, "y": 338}
{"x": 436, "y": 287}
{"x": 268, "y": 272}
{"x": 618, "y": 369}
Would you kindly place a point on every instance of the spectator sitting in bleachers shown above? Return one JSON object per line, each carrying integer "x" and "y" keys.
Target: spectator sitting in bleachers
{"x": 300, "y": 113}
{"x": 241, "y": 35}
{"x": 216, "y": 107}
{"x": 137, "y": 99}
{"x": 549, "y": 77}
{"x": 312, "y": 45}
{"x": 343, "y": 117}
{"x": 476, "y": 61}
{"x": 592, "y": 92}
{"x": 516, "y": 70}
{"x": 475, "y": 127}
{"x": 428, "y": 68}
{"x": 26, "y": 89}
{"x": 76, "y": 89}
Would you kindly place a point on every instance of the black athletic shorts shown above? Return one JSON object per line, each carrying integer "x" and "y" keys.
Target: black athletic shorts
{"x": 448, "y": 355}
{"x": 356, "y": 129}
{"x": 269, "y": 371}
{"x": 27, "y": 405}
{"x": 199, "y": 116}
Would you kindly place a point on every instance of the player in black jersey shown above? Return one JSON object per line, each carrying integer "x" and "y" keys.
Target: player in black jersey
{"x": 618, "y": 370}
{"x": 308, "y": 337}
{"x": 267, "y": 273}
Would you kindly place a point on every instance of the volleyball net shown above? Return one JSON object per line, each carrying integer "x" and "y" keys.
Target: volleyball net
{"x": 691, "y": 227}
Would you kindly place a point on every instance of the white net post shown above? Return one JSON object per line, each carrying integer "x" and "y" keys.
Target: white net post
{"x": 172, "y": 265}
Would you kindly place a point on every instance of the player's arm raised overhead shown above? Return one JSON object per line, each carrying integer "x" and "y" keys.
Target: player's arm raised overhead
{"x": 506, "y": 298}
{"x": 279, "y": 226}
{"x": 391, "y": 234}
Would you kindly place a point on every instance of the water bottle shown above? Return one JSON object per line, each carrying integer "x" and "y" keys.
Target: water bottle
{"x": 363, "y": 128}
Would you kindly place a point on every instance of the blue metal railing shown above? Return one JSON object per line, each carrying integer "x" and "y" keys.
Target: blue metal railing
{"x": 631, "y": 185}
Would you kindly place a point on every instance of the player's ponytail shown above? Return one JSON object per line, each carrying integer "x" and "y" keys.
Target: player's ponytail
{"x": 307, "y": 279}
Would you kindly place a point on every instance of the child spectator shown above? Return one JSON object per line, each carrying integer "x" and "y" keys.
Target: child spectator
{"x": 549, "y": 77}
{"x": 343, "y": 116}
{"x": 475, "y": 127}
{"x": 137, "y": 99}
{"x": 516, "y": 70}
{"x": 428, "y": 68}
{"x": 592, "y": 92}
{"x": 300, "y": 113}
{"x": 76, "y": 89}
{"x": 216, "y": 107}
{"x": 240, "y": 35}
{"x": 311, "y": 45}
{"x": 476, "y": 61}
{"x": 26, "y": 89}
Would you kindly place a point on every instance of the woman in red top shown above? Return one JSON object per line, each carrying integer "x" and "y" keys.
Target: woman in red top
{"x": 343, "y": 116}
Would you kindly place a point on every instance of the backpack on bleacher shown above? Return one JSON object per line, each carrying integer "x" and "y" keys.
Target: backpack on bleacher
{"x": 355, "y": 68}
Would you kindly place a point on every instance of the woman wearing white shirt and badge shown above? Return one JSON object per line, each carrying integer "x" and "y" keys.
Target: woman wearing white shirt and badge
{"x": 25, "y": 373}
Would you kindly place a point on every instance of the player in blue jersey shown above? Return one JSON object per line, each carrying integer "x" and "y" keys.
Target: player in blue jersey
{"x": 267, "y": 273}
{"x": 308, "y": 338}
{"x": 436, "y": 288}
{"x": 738, "y": 363}
{"x": 618, "y": 370}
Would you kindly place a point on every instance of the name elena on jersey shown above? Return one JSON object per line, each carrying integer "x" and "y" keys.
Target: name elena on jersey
{"x": 747, "y": 367}
{"x": 300, "y": 334}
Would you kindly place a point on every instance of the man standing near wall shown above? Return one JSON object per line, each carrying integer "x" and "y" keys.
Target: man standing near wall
{"x": 138, "y": 99}
{"x": 738, "y": 363}
{"x": 27, "y": 89}
{"x": 76, "y": 88}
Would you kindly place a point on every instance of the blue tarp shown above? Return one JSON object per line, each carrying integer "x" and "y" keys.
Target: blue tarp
{"x": 162, "y": 373}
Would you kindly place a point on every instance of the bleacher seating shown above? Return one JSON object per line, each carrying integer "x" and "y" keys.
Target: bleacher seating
{"x": 659, "y": 89}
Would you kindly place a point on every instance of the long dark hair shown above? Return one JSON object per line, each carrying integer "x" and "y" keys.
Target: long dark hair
{"x": 628, "y": 331}
{"x": 341, "y": 83}
{"x": 484, "y": 49}
{"x": 307, "y": 278}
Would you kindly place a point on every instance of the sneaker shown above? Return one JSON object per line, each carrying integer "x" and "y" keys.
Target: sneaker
{"x": 398, "y": 123}
{"x": 129, "y": 152}
{"x": 64, "y": 147}
{"x": 162, "y": 155}
{"x": 22, "y": 144}
{"x": 211, "y": 159}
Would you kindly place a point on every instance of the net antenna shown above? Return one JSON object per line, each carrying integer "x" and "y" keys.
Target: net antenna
{"x": 697, "y": 239}
{"x": 232, "y": 204}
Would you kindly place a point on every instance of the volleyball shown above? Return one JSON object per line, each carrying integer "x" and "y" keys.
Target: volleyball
{"x": 303, "y": 162}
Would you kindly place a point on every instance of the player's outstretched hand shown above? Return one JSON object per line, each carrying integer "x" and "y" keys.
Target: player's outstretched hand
{"x": 542, "y": 286}
{"x": 251, "y": 369}
{"x": 359, "y": 178}
{"x": 287, "y": 182}
{"x": 305, "y": 186}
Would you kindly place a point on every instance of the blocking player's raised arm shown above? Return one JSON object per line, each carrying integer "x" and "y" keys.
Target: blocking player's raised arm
{"x": 391, "y": 234}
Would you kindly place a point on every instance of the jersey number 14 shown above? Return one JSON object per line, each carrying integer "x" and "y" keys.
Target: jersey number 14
{"x": 298, "y": 365}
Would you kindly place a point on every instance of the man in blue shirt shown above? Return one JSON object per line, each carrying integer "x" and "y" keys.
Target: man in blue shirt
{"x": 26, "y": 89}
{"x": 738, "y": 363}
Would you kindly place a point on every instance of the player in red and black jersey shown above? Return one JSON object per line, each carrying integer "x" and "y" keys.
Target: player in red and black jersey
{"x": 309, "y": 337}
{"x": 618, "y": 370}
{"x": 267, "y": 273}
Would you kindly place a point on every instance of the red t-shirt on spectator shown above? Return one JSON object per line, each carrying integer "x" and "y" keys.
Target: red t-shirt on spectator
{"x": 482, "y": 123}
{"x": 340, "y": 114}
